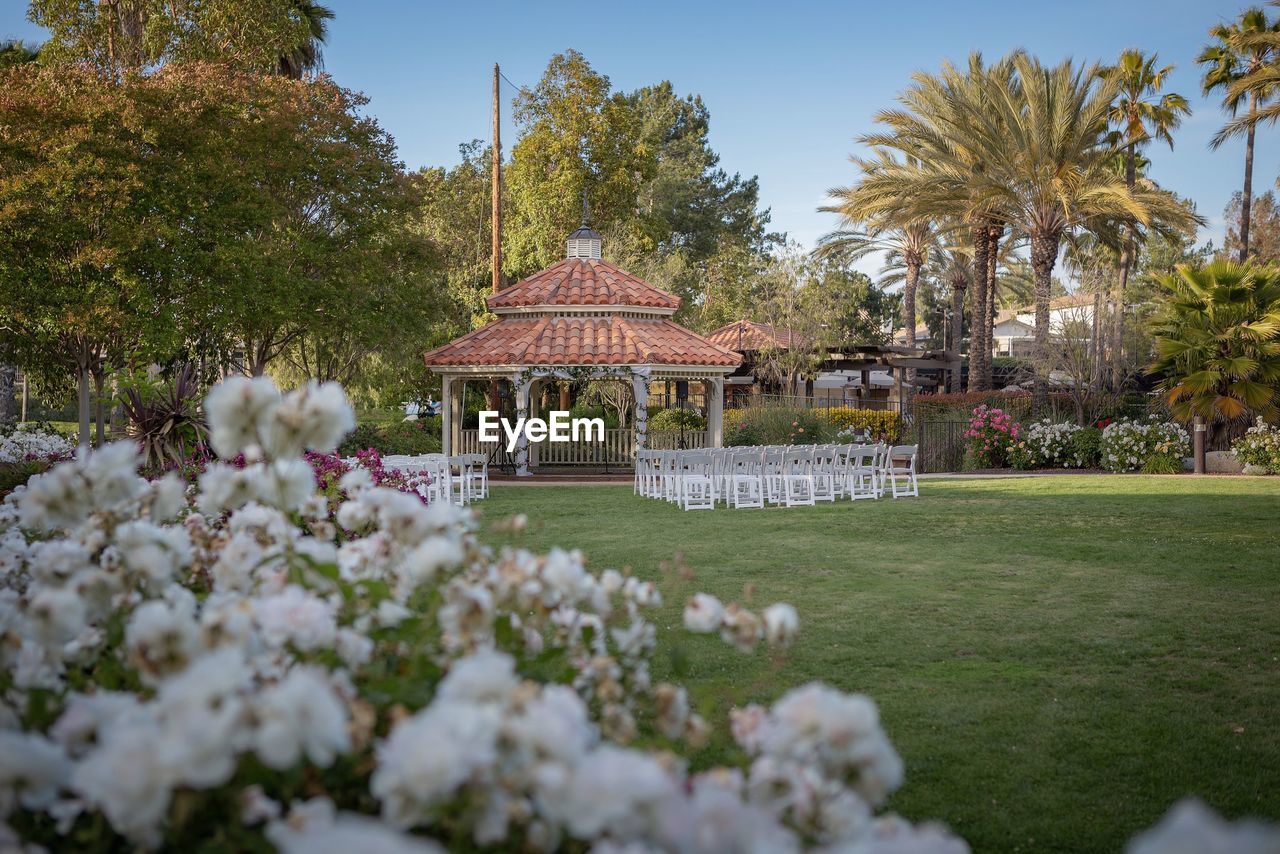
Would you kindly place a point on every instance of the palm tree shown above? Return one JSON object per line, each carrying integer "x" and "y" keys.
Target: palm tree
{"x": 1217, "y": 340}
{"x": 1049, "y": 170}
{"x": 935, "y": 128}
{"x": 1241, "y": 64}
{"x": 305, "y": 56}
{"x": 1138, "y": 114}
{"x": 16, "y": 52}
{"x": 867, "y": 228}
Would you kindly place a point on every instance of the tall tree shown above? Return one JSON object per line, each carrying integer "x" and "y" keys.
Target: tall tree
{"x": 1138, "y": 114}
{"x": 1239, "y": 63}
{"x": 1264, "y": 227}
{"x": 938, "y": 131}
{"x": 124, "y": 36}
{"x": 304, "y": 55}
{"x": 868, "y": 227}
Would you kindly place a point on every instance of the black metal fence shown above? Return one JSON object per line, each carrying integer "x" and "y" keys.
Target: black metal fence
{"x": 940, "y": 444}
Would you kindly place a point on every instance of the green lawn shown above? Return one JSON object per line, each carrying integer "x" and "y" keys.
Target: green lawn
{"x": 1057, "y": 659}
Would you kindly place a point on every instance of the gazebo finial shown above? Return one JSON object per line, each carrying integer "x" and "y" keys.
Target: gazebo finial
{"x": 585, "y": 242}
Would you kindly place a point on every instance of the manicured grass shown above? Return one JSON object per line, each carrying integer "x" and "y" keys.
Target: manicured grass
{"x": 1057, "y": 659}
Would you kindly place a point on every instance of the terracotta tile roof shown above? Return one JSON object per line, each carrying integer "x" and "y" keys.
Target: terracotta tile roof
{"x": 743, "y": 335}
{"x": 582, "y": 281}
{"x": 585, "y": 340}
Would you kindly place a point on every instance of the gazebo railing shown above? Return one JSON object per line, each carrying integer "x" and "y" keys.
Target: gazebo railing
{"x": 617, "y": 449}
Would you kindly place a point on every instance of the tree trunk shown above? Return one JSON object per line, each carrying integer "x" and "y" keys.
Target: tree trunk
{"x": 1044, "y": 254}
{"x": 909, "y": 298}
{"x": 1128, "y": 254}
{"x": 1117, "y": 321}
{"x": 82, "y": 405}
{"x": 8, "y": 395}
{"x": 1246, "y": 201}
{"x": 1095, "y": 343}
{"x": 99, "y": 410}
{"x": 978, "y": 304}
{"x": 994, "y": 233}
{"x": 957, "y": 328}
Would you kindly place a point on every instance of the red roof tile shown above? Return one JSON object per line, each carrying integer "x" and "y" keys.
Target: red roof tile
{"x": 585, "y": 340}
{"x": 582, "y": 281}
{"x": 743, "y": 335}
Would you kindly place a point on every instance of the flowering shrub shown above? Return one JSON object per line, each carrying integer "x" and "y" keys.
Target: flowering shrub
{"x": 1259, "y": 449}
{"x": 29, "y": 444}
{"x": 1047, "y": 444}
{"x": 991, "y": 434}
{"x": 1155, "y": 446}
{"x": 231, "y": 666}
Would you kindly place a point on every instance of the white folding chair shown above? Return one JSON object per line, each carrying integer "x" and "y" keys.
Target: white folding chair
{"x": 773, "y": 474}
{"x": 745, "y": 483}
{"x": 478, "y": 475}
{"x": 861, "y": 474}
{"x": 902, "y": 463}
{"x": 797, "y": 467}
{"x": 824, "y": 473}
{"x": 697, "y": 484}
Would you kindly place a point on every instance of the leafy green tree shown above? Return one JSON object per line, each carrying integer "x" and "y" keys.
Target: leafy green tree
{"x": 124, "y": 36}
{"x": 202, "y": 214}
{"x": 1240, "y": 63}
{"x": 1217, "y": 338}
{"x": 1264, "y": 227}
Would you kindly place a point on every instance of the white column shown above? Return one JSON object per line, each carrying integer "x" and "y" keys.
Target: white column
{"x": 715, "y": 413}
{"x": 446, "y": 414}
{"x": 534, "y": 411}
{"x": 640, "y": 390}
{"x": 522, "y": 412}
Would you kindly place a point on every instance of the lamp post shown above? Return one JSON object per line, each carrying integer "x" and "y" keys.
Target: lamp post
{"x": 1198, "y": 429}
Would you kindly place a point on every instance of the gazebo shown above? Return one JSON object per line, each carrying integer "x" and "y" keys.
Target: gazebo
{"x": 580, "y": 318}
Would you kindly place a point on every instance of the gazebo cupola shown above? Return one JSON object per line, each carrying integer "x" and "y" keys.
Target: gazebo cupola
{"x": 582, "y": 316}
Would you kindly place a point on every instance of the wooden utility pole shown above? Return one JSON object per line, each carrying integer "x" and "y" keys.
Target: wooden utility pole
{"x": 497, "y": 186}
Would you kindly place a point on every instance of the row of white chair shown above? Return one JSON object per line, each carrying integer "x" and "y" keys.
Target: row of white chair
{"x": 460, "y": 478}
{"x": 790, "y": 476}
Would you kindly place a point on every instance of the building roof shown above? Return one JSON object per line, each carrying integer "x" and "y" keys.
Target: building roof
{"x": 744, "y": 335}
{"x": 1076, "y": 300}
{"x": 564, "y": 340}
{"x": 583, "y": 282}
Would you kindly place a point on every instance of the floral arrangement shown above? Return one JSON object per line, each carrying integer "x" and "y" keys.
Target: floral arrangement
{"x": 1259, "y": 449}
{"x": 29, "y": 444}
{"x": 991, "y": 434}
{"x": 227, "y": 664}
{"x": 1155, "y": 447}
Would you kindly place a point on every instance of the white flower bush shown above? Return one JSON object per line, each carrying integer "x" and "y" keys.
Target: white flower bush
{"x": 1259, "y": 449}
{"x": 1129, "y": 445}
{"x": 231, "y": 663}
{"x": 32, "y": 443}
{"x": 1049, "y": 444}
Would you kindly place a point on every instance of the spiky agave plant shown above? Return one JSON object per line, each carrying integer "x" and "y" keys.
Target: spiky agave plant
{"x": 167, "y": 422}
{"x": 1217, "y": 339}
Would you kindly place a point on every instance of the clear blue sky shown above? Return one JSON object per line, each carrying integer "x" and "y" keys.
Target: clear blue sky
{"x": 788, "y": 84}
